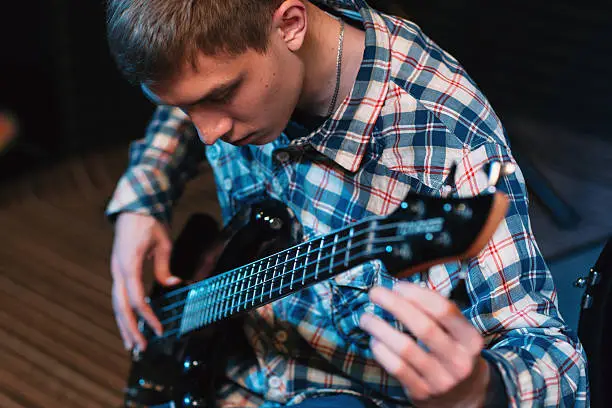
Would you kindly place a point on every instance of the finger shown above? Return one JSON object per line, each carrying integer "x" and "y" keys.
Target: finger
{"x": 125, "y": 316}
{"x": 127, "y": 341}
{"x": 138, "y": 302}
{"x": 457, "y": 360}
{"x": 132, "y": 277}
{"x": 402, "y": 345}
{"x": 161, "y": 265}
{"x": 415, "y": 386}
{"x": 446, "y": 313}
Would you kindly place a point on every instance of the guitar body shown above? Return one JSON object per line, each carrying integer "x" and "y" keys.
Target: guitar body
{"x": 187, "y": 372}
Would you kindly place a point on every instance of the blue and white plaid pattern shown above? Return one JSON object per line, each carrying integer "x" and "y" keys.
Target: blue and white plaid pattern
{"x": 412, "y": 114}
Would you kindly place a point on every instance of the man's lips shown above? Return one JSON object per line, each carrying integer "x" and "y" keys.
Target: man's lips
{"x": 246, "y": 140}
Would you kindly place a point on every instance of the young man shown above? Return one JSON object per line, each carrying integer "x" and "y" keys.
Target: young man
{"x": 338, "y": 111}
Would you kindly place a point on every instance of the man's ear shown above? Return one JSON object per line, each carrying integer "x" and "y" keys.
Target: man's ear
{"x": 290, "y": 20}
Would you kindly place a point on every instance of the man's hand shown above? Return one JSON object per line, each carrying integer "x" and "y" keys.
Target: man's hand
{"x": 137, "y": 236}
{"x": 451, "y": 373}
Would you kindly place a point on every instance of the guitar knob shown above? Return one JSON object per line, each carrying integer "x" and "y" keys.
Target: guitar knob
{"x": 192, "y": 365}
{"x": 417, "y": 208}
{"x": 463, "y": 211}
{"x": 444, "y": 239}
{"x": 192, "y": 401}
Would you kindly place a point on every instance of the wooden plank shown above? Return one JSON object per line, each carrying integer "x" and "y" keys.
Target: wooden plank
{"x": 65, "y": 352}
{"x": 58, "y": 368}
{"x": 111, "y": 358}
{"x": 99, "y": 336}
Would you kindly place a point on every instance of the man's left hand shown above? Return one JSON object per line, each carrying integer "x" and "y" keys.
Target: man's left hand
{"x": 451, "y": 372}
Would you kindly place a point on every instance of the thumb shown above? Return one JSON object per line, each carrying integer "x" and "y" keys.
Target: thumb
{"x": 161, "y": 266}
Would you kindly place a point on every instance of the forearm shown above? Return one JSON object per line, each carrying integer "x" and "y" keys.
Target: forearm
{"x": 159, "y": 166}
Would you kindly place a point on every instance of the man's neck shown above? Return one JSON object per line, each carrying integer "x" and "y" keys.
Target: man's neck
{"x": 319, "y": 53}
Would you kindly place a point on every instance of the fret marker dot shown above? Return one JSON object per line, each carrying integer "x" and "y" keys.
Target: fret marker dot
{"x": 389, "y": 249}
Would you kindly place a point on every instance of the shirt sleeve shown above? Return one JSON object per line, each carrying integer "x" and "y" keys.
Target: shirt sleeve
{"x": 159, "y": 166}
{"x": 514, "y": 300}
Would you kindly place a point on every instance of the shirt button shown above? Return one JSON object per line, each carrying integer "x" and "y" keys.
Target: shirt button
{"x": 282, "y": 156}
{"x": 227, "y": 184}
{"x": 274, "y": 382}
{"x": 281, "y": 336}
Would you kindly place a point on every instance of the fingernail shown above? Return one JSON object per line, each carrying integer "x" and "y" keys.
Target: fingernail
{"x": 173, "y": 280}
{"x": 376, "y": 295}
{"x": 365, "y": 320}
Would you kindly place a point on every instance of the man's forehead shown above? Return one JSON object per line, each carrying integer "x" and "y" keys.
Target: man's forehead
{"x": 207, "y": 75}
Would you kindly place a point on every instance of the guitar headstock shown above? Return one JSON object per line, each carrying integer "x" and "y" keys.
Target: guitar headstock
{"x": 425, "y": 231}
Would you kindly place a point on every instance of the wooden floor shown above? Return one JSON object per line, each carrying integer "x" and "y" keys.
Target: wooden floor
{"x": 59, "y": 346}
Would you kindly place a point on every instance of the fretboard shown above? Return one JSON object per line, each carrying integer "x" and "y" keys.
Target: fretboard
{"x": 276, "y": 276}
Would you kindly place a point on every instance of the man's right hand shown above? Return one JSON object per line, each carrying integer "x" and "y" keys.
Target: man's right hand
{"x": 138, "y": 236}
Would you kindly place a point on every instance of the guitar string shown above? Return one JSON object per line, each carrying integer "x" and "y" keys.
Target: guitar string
{"x": 281, "y": 275}
{"x": 219, "y": 316}
{"x": 212, "y": 280}
{"x": 231, "y": 297}
{"x": 257, "y": 285}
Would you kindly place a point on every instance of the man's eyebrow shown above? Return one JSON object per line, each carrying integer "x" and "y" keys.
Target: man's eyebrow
{"x": 217, "y": 92}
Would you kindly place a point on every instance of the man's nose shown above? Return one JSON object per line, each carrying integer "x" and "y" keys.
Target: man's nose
{"x": 212, "y": 127}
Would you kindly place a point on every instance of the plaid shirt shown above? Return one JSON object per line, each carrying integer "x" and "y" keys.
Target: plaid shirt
{"x": 413, "y": 113}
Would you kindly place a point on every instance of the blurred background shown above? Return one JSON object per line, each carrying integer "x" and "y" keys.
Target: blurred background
{"x": 66, "y": 118}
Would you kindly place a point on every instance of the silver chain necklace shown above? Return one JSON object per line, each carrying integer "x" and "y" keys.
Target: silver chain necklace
{"x": 338, "y": 68}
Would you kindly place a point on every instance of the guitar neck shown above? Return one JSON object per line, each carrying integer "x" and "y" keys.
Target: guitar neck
{"x": 277, "y": 276}
{"x": 424, "y": 231}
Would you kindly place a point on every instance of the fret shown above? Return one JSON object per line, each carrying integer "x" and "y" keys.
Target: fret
{"x": 247, "y": 295}
{"x": 319, "y": 259}
{"x": 222, "y": 297}
{"x": 273, "y": 276}
{"x": 348, "y": 247}
{"x": 185, "y": 320}
{"x": 263, "y": 282}
{"x": 305, "y": 268}
{"x": 256, "y": 283}
{"x": 200, "y": 306}
{"x": 333, "y": 253}
{"x": 295, "y": 262}
{"x": 209, "y": 303}
{"x": 282, "y": 274}
{"x": 371, "y": 236}
{"x": 229, "y": 295}
{"x": 242, "y": 279}
{"x": 216, "y": 299}
{"x": 235, "y": 278}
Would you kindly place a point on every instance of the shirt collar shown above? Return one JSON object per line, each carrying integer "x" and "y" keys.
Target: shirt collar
{"x": 345, "y": 135}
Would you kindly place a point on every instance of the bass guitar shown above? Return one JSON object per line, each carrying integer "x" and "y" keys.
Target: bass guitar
{"x": 261, "y": 257}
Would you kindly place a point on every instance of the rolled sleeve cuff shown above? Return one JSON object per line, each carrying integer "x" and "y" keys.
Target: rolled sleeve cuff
{"x": 142, "y": 190}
